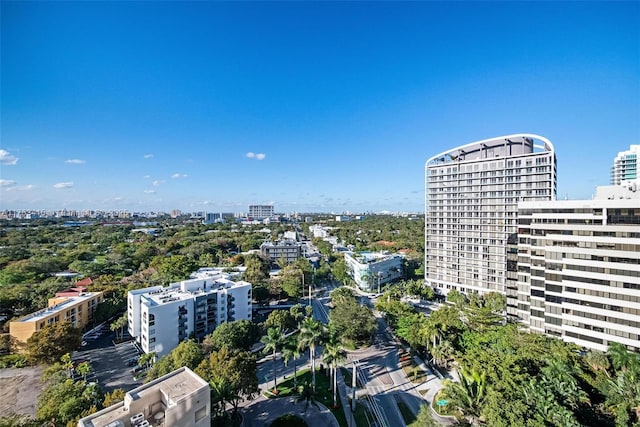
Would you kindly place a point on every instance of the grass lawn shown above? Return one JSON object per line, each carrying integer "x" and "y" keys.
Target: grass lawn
{"x": 443, "y": 410}
{"x": 285, "y": 388}
{"x": 323, "y": 394}
{"x": 407, "y": 414}
{"x": 414, "y": 373}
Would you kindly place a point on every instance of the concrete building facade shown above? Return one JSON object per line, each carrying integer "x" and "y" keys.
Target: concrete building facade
{"x": 471, "y": 202}
{"x": 370, "y": 270}
{"x": 181, "y": 399}
{"x": 78, "y": 310}
{"x": 289, "y": 250}
{"x": 260, "y": 211}
{"x": 579, "y": 268}
{"x": 161, "y": 317}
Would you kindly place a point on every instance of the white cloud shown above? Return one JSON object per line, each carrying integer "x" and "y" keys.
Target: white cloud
{"x": 148, "y": 156}
{"x": 7, "y": 158}
{"x": 257, "y": 156}
{"x": 147, "y": 176}
{"x": 76, "y": 161}
{"x": 157, "y": 182}
{"x": 179, "y": 175}
{"x": 63, "y": 185}
{"x": 149, "y": 191}
{"x": 5, "y": 183}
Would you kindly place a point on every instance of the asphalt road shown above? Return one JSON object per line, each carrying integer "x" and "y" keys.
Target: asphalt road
{"x": 379, "y": 366}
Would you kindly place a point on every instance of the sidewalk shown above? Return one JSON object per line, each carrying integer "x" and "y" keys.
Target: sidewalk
{"x": 344, "y": 399}
{"x": 432, "y": 386}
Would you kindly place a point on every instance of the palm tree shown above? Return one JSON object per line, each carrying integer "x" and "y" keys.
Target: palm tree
{"x": 333, "y": 354}
{"x": 84, "y": 369}
{"x": 621, "y": 358}
{"x": 147, "y": 360}
{"x": 469, "y": 393}
{"x": 272, "y": 343}
{"x": 622, "y": 396}
{"x": 67, "y": 364}
{"x": 291, "y": 351}
{"x": 597, "y": 361}
{"x": 432, "y": 331}
{"x": 311, "y": 333}
{"x": 307, "y": 394}
{"x": 442, "y": 352}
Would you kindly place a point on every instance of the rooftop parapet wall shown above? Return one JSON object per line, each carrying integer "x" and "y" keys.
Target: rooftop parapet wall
{"x": 504, "y": 146}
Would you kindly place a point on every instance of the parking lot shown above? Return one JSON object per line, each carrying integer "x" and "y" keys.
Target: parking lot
{"x": 109, "y": 361}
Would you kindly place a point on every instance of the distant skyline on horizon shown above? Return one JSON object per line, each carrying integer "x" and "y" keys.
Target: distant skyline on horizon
{"x": 309, "y": 106}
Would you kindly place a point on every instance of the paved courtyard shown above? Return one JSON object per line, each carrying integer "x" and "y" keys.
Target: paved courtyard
{"x": 263, "y": 411}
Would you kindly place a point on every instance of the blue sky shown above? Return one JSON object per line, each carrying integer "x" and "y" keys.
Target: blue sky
{"x": 311, "y": 106}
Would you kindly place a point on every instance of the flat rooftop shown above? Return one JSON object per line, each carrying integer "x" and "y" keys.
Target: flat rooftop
{"x": 187, "y": 289}
{"x": 69, "y": 302}
{"x": 372, "y": 257}
{"x": 169, "y": 390}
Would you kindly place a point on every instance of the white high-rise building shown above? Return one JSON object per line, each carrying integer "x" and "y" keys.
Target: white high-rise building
{"x": 471, "y": 202}
{"x": 161, "y": 317}
{"x": 625, "y": 166}
{"x": 579, "y": 268}
{"x": 260, "y": 211}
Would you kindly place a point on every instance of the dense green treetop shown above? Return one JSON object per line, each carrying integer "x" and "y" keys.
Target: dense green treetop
{"x": 238, "y": 335}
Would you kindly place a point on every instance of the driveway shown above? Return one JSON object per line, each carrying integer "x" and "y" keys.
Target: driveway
{"x": 109, "y": 361}
{"x": 262, "y": 412}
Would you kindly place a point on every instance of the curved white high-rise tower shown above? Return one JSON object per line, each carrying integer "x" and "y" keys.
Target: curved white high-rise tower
{"x": 471, "y": 202}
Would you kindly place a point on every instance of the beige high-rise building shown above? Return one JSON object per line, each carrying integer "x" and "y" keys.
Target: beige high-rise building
{"x": 471, "y": 202}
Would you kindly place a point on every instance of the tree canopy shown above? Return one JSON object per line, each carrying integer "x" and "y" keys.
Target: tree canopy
{"x": 238, "y": 335}
{"x": 51, "y": 342}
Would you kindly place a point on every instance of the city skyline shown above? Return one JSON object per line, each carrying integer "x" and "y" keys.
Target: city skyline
{"x": 311, "y": 107}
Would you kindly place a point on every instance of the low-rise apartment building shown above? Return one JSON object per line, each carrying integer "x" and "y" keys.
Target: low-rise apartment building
{"x": 181, "y": 399}
{"x": 78, "y": 310}
{"x": 161, "y": 317}
{"x": 289, "y": 250}
{"x": 578, "y": 268}
{"x": 370, "y": 270}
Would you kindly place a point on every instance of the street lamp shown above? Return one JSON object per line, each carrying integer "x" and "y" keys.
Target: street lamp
{"x": 379, "y": 275}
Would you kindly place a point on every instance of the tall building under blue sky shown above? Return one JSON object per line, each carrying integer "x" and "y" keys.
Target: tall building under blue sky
{"x": 471, "y": 203}
{"x": 625, "y": 166}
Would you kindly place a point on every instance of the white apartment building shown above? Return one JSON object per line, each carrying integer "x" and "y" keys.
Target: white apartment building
{"x": 625, "y": 166}
{"x": 260, "y": 211}
{"x": 471, "y": 202}
{"x": 161, "y": 317}
{"x": 579, "y": 268}
{"x": 319, "y": 231}
{"x": 181, "y": 399}
{"x": 370, "y": 270}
